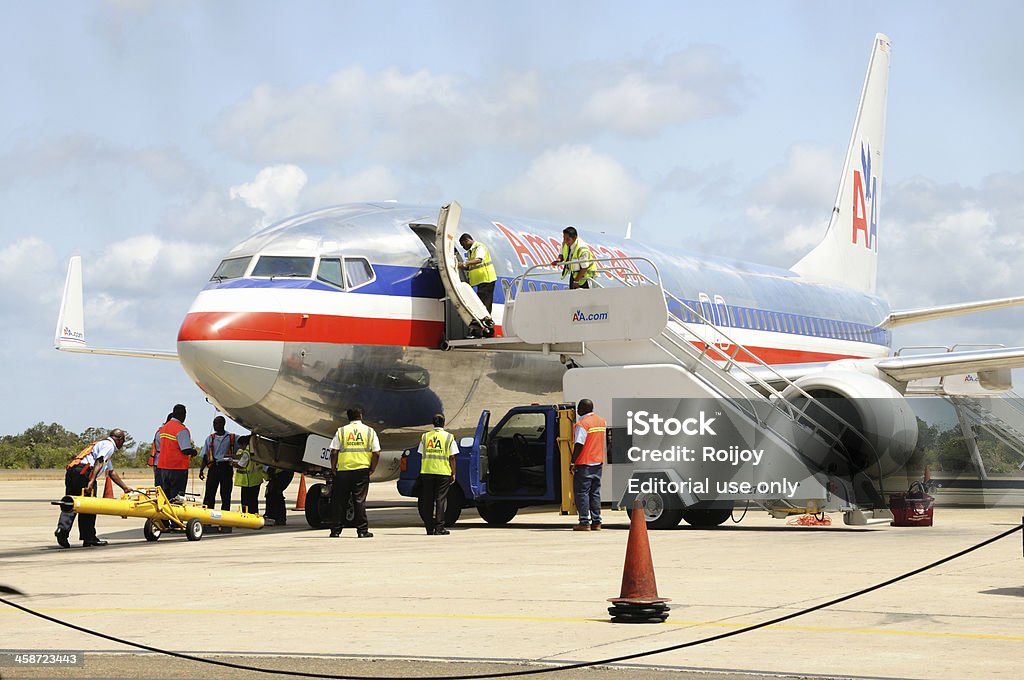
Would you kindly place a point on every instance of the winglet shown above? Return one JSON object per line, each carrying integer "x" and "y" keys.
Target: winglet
{"x": 70, "y": 332}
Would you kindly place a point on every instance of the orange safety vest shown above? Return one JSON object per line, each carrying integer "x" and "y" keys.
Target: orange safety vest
{"x": 593, "y": 447}
{"x": 171, "y": 457}
{"x": 152, "y": 452}
{"x": 77, "y": 460}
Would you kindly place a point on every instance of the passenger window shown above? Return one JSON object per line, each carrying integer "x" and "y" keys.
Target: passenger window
{"x": 284, "y": 266}
{"x": 330, "y": 271}
{"x": 232, "y": 268}
{"x": 358, "y": 272}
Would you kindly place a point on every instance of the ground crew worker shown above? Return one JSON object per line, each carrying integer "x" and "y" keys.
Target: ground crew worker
{"x": 218, "y": 451}
{"x": 481, "y": 272}
{"x": 574, "y": 250}
{"x": 276, "y": 511}
{"x": 355, "y": 452}
{"x": 80, "y": 479}
{"x": 437, "y": 474}
{"x": 176, "y": 450}
{"x": 587, "y": 460}
{"x": 154, "y": 453}
{"x": 248, "y": 476}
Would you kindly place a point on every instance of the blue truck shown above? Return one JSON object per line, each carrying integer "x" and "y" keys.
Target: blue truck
{"x": 522, "y": 461}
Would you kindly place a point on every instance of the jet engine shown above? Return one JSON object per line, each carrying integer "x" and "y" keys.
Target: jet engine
{"x": 874, "y": 422}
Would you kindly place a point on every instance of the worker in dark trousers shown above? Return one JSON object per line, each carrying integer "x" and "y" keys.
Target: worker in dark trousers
{"x": 218, "y": 453}
{"x": 355, "y": 452}
{"x": 437, "y": 474}
{"x": 278, "y": 480}
{"x": 80, "y": 479}
{"x": 176, "y": 451}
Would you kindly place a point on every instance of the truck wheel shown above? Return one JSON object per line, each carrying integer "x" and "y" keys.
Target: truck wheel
{"x": 315, "y": 503}
{"x": 151, "y": 530}
{"x": 194, "y": 529}
{"x": 655, "y": 512}
{"x": 456, "y": 499}
{"x": 706, "y": 518}
{"x": 498, "y": 512}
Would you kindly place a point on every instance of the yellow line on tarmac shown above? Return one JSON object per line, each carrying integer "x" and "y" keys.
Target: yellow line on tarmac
{"x": 479, "y": 617}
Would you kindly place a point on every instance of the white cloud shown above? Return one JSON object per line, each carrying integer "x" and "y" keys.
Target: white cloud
{"x": 274, "y": 191}
{"x": 214, "y": 216}
{"x": 148, "y": 265}
{"x": 575, "y": 184}
{"x": 24, "y": 260}
{"x": 375, "y": 183}
{"x": 947, "y": 243}
{"x": 426, "y": 117}
{"x": 786, "y": 210}
{"x": 649, "y": 97}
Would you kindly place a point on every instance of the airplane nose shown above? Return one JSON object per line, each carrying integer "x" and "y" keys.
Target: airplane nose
{"x": 233, "y": 357}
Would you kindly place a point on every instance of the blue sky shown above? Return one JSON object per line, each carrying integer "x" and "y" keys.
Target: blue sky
{"x": 149, "y": 137}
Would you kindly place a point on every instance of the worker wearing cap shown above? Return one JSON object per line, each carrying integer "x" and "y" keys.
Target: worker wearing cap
{"x": 576, "y": 259}
{"x": 481, "y": 274}
{"x": 437, "y": 474}
{"x": 80, "y": 479}
{"x": 355, "y": 452}
{"x": 587, "y": 460}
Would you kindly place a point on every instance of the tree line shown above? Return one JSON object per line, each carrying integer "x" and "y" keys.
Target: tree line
{"x": 53, "y": 446}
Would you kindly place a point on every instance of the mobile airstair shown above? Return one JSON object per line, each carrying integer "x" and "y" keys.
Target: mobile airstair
{"x": 996, "y": 409}
{"x": 629, "y": 337}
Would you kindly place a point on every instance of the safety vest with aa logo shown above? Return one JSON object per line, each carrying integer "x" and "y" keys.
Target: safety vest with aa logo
{"x": 484, "y": 271}
{"x": 580, "y": 251}
{"x": 356, "y": 450}
{"x": 437, "y": 446}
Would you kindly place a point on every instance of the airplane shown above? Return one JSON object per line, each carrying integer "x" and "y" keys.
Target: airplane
{"x": 346, "y": 306}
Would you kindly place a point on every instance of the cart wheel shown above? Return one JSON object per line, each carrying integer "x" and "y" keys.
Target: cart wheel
{"x": 152, "y": 531}
{"x": 194, "y": 530}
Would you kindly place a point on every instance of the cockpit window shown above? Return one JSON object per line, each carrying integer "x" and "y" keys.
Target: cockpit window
{"x": 232, "y": 268}
{"x": 284, "y": 266}
{"x": 330, "y": 271}
{"x": 357, "y": 272}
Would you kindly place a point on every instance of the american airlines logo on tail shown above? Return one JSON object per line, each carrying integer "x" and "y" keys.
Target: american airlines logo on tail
{"x": 865, "y": 201}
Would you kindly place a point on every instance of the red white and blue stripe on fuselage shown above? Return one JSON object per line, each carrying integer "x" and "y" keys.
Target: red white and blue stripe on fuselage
{"x": 403, "y": 306}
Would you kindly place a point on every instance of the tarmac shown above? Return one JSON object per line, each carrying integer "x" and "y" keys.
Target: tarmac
{"x": 530, "y": 596}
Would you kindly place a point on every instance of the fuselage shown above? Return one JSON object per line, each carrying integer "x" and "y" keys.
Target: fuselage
{"x": 344, "y": 307}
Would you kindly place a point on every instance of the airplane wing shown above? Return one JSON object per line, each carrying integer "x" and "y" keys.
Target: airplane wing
{"x": 900, "y": 318}
{"x": 70, "y": 333}
{"x": 991, "y": 365}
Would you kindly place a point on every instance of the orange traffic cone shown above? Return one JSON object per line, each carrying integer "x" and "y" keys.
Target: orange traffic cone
{"x": 108, "y": 490}
{"x": 638, "y": 600}
{"x": 927, "y": 473}
{"x": 300, "y": 501}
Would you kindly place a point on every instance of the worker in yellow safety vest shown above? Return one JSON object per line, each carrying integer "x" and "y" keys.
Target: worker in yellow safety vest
{"x": 480, "y": 270}
{"x": 587, "y": 461}
{"x": 437, "y": 474}
{"x": 248, "y": 476}
{"x": 576, "y": 259}
{"x": 355, "y": 452}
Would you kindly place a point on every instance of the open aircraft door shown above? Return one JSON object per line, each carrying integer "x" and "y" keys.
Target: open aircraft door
{"x": 462, "y": 296}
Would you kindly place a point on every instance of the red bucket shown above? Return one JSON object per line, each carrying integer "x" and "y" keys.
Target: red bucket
{"x": 913, "y": 508}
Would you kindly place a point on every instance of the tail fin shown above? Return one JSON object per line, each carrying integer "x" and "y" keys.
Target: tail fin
{"x": 848, "y": 255}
